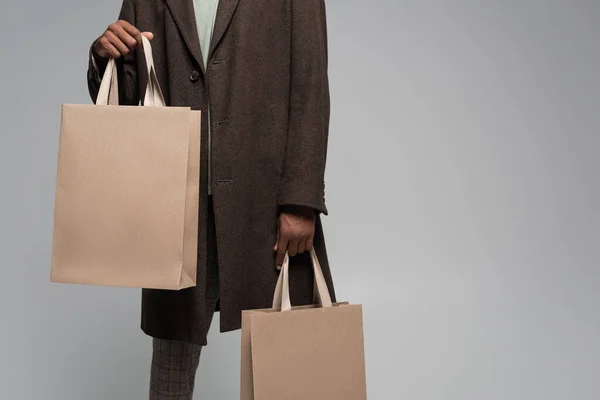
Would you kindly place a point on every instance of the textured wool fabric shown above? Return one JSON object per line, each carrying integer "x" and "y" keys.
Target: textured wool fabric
{"x": 267, "y": 80}
{"x": 206, "y": 14}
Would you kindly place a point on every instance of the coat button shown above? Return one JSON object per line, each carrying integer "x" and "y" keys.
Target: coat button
{"x": 194, "y": 76}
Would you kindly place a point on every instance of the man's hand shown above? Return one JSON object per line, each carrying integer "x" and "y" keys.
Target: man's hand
{"x": 296, "y": 232}
{"x": 119, "y": 39}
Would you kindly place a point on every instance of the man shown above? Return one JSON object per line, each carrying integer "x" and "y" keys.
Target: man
{"x": 258, "y": 71}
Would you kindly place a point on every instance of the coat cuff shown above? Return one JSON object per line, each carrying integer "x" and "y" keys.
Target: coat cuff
{"x": 315, "y": 202}
{"x": 97, "y": 63}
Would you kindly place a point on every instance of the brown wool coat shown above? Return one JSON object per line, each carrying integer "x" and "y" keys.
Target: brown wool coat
{"x": 268, "y": 87}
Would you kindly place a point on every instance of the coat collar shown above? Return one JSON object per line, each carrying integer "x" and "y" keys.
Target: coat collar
{"x": 225, "y": 13}
{"x": 184, "y": 16}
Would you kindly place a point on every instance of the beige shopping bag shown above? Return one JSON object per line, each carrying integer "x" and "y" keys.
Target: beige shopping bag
{"x": 303, "y": 353}
{"x": 127, "y": 191}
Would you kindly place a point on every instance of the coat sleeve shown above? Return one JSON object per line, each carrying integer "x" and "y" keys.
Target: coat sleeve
{"x": 306, "y": 149}
{"x": 126, "y": 66}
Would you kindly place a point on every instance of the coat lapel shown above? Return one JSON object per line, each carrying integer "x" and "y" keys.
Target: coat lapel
{"x": 225, "y": 13}
{"x": 185, "y": 19}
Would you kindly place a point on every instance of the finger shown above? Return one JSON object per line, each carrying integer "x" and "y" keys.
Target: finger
{"x": 117, "y": 43}
{"x": 133, "y": 32}
{"x": 276, "y": 241}
{"x": 100, "y": 47}
{"x": 282, "y": 247}
{"x": 149, "y": 35}
{"x": 108, "y": 48}
{"x": 302, "y": 246}
{"x": 127, "y": 33}
{"x": 280, "y": 259}
{"x": 309, "y": 244}
{"x": 293, "y": 247}
{"x": 113, "y": 52}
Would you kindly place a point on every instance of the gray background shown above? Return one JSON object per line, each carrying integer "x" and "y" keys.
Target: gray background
{"x": 462, "y": 183}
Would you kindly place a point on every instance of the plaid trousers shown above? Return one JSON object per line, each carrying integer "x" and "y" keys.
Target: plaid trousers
{"x": 174, "y": 364}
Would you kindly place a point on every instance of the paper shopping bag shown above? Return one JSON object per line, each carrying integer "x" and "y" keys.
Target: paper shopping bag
{"x": 127, "y": 191}
{"x": 303, "y": 353}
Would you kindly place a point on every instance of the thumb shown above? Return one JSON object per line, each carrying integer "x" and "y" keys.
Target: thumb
{"x": 149, "y": 35}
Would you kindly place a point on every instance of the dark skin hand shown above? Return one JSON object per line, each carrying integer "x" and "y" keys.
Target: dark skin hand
{"x": 296, "y": 232}
{"x": 119, "y": 39}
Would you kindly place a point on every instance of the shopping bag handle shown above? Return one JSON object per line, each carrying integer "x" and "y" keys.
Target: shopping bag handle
{"x": 281, "y": 299}
{"x": 108, "y": 93}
